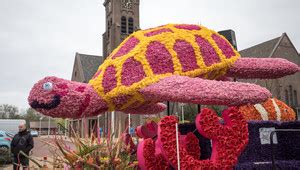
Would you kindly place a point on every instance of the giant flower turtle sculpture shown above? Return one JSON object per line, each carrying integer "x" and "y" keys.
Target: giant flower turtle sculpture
{"x": 174, "y": 62}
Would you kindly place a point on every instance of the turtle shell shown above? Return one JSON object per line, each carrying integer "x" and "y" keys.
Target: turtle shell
{"x": 147, "y": 56}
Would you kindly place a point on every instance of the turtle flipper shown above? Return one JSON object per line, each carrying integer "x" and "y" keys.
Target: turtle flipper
{"x": 151, "y": 108}
{"x": 200, "y": 91}
{"x": 263, "y": 68}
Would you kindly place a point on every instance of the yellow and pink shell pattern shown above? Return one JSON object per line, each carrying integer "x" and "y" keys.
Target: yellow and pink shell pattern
{"x": 147, "y": 56}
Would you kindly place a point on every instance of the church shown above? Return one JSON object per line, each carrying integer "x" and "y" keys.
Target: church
{"x": 122, "y": 19}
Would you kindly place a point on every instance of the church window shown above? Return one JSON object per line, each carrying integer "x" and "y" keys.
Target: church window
{"x": 123, "y": 25}
{"x": 291, "y": 95}
{"x": 130, "y": 25}
{"x": 287, "y": 97}
{"x": 295, "y": 98}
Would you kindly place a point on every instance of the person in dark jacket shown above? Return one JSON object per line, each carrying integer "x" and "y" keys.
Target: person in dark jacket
{"x": 22, "y": 141}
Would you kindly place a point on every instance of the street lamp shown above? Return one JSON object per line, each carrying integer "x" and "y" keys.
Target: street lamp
{"x": 66, "y": 126}
{"x": 41, "y": 125}
{"x": 129, "y": 117}
{"x": 98, "y": 121}
{"x": 49, "y": 127}
{"x": 182, "y": 112}
{"x": 112, "y": 122}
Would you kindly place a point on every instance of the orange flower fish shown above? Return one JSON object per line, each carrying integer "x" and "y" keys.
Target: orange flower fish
{"x": 271, "y": 109}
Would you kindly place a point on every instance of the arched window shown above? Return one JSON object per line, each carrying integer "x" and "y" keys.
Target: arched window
{"x": 287, "y": 100}
{"x": 291, "y": 95}
{"x": 123, "y": 25}
{"x": 295, "y": 98}
{"x": 130, "y": 25}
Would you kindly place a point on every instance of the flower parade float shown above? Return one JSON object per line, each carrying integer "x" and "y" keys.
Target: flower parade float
{"x": 177, "y": 63}
{"x": 271, "y": 109}
{"x": 228, "y": 140}
{"x": 263, "y": 118}
{"x": 174, "y": 62}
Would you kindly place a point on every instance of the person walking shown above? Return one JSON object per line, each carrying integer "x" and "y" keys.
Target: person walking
{"x": 22, "y": 141}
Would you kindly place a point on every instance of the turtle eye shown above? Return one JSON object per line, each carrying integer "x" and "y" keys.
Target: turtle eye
{"x": 47, "y": 86}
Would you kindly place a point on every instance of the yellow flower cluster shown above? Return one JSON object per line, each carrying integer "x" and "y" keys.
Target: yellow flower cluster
{"x": 139, "y": 52}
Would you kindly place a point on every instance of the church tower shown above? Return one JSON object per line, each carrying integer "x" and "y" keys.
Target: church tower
{"x": 122, "y": 19}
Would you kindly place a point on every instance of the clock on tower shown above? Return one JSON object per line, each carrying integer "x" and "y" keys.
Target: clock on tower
{"x": 127, "y": 4}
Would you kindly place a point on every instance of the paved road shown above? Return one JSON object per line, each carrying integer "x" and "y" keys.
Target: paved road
{"x": 40, "y": 150}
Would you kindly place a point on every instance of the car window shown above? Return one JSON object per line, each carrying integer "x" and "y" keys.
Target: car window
{"x": 1, "y": 135}
{"x": 10, "y": 135}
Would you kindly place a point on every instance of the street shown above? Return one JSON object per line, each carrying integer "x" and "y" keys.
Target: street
{"x": 40, "y": 150}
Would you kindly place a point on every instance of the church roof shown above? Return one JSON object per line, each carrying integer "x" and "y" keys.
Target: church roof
{"x": 268, "y": 48}
{"x": 88, "y": 64}
{"x": 261, "y": 50}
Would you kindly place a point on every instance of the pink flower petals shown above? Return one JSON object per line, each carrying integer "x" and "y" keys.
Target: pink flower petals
{"x": 157, "y": 32}
{"x": 75, "y": 99}
{"x": 195, "y": 90}
{"x": 109, "y": 81}
{"x": 132, "y": 72}
{"x": 207, "y": 51}
{"x": 186, "y": 55}
{"x": 188, "y": 27}
{"x": 127, "y": 47}
{"x": 262, "y": 68}
{"x": 224, "y": 46}
{"x": 159, "y": 58}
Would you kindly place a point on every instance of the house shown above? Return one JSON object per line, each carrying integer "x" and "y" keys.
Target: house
{"x": 44, "y": 126}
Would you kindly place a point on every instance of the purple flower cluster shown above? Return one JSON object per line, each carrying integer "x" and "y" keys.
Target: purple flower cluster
{"x": 286, "y": 149}
{"x": 291, "y": 165}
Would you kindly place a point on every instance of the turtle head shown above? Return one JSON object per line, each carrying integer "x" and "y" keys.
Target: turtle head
{"x": 58, "y": 97}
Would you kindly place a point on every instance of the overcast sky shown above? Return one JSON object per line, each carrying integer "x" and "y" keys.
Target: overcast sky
{"x": 39, "y": 38}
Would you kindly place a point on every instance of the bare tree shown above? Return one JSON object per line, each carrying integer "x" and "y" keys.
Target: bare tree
{"x": 8, "y": 111}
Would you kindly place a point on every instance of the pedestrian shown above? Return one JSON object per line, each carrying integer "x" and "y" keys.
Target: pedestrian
{"x": 22, "y": 141}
